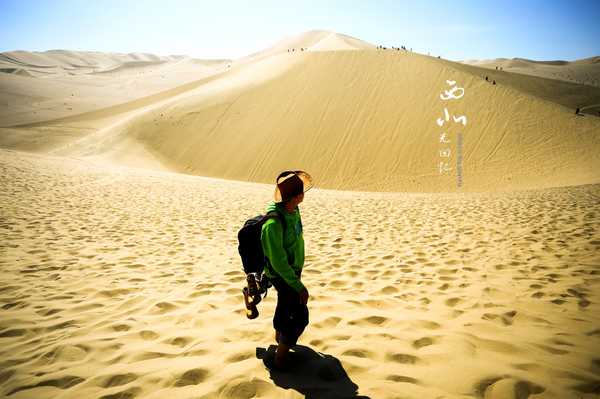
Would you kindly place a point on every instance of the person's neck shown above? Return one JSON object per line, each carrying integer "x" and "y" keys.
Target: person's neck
{"x": 290, "y": 208}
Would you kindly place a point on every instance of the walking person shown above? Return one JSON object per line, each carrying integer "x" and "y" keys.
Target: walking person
{"x": 283, "y": 245}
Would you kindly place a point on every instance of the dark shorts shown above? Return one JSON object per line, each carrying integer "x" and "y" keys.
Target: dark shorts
{"x": 291, "y": 315}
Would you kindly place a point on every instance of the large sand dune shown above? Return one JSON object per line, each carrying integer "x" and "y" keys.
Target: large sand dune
{"x": 357, "y": 117}
{"x": 360, "y": 120}
{"x": 121, "y": 278}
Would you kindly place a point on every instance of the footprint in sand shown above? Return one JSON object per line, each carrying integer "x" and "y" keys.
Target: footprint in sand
{"x": 121, "y": 327}
{"x": 129, "y": 393}
{"x": 239, "y": 357}
{"x": 192, "y": 377}
{"x": 588, "y": 386}
{"x": 583, "y": 303}
{"x": 179, "y": 341}
{"x": 116, "y": 380}
{"x": 341, "y": 337}
{"x": 506, "y": 387}
{"x": 427, "y": 324}
{"x": 66, "y": 353}
{"x": 451, "y": 302}
{"x": 552, "y": 350}
{"x": 148, "y": 335}
{"x": 401, "y": 378}
{"x": 362, "y": 353}
{"x": 6, "y": 375}
{"x": 329, "y": 322}
{"x": 14, "y": 332}
{"x": 402, "y": 358}
{"x": 388, "y": 290}
{"x": 164, "y": 307}
{"x": 153, "y": 355}
{"x": 241, "y": 388}
{"x": 422, "y": 342}
{"x": 62, "y": 383}
{"x": 371, "y": 320}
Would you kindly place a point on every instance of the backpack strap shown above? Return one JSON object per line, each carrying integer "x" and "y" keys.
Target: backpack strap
{"x": 277, "y": 215}
{"x": 274, "y": 215}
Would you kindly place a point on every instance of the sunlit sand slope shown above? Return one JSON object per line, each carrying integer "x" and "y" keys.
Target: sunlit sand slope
{"x": 366, "y": 120}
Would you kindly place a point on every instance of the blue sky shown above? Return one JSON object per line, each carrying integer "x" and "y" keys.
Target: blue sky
{"x": 541, "y": 30}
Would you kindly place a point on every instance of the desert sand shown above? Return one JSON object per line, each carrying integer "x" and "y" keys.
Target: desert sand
{"x": 118, "y": 224}
{"x": 59, "y": 83}
{"x": 361, "y": 120}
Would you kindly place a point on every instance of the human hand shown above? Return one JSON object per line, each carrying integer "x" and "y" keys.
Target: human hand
{"x": 304, "y": 296}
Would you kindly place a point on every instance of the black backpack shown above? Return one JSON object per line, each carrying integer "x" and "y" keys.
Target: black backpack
{"x": 250, "y": 246}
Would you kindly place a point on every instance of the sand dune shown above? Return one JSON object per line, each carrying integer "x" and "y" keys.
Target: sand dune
{"x": 566, "y": 94}
{"x": 360, "y": 120}
{"x": 362, "y": 131}
{"x": 79, "y": 62}
{"x": 122, "y": 282}
{"x": 314, "y": 40}
{"x": 70, "y": 83}
{"x": 121, "y": 278}
{"x": 585, "y": 71}
{"x": 96, "y": 132}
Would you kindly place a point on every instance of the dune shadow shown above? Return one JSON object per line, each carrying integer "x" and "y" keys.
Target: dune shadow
{"x": 313, "y": 374}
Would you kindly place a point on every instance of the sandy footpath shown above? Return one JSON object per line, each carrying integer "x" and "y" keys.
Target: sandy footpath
{"x": 126, "y": 283}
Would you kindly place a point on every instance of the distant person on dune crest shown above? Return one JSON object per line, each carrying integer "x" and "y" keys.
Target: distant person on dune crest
{"x": 283, "y": 245}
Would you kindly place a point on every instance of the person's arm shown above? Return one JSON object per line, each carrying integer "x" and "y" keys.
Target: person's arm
{"x": 272, "y": 242}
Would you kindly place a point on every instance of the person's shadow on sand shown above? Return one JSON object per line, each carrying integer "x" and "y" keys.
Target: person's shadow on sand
{"x": 315, "y": 375}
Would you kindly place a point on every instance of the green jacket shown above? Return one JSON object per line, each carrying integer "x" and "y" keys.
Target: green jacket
{"x": 284, "y": 250}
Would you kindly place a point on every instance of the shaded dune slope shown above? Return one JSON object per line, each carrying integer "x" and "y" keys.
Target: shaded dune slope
{"x": 565, "y": 93}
